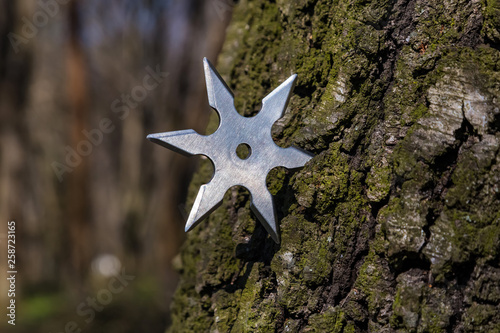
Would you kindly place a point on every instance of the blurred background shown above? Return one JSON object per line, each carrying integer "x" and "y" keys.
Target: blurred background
{"x": 81, "y": 85}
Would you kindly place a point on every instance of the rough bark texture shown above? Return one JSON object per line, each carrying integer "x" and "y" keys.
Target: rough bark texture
{"x": 395, "y": 224}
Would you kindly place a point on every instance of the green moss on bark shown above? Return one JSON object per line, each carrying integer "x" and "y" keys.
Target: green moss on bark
{"x": 394, "y": 224}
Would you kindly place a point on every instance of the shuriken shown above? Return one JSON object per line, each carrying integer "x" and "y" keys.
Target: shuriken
{"x": 220, "y": 147}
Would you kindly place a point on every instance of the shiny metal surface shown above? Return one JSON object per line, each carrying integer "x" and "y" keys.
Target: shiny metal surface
{"x": 220, "y": 148}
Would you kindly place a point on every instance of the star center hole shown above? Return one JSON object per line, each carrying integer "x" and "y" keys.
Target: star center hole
{"x": 243, "y": 151}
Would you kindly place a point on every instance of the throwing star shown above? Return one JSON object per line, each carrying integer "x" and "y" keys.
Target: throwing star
{"x": 220, "y": 147}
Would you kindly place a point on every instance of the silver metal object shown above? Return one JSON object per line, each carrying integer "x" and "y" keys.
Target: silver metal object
{"x": 220, "y": 147}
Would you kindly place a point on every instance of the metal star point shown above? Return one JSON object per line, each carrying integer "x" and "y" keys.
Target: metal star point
{"x": 220, "y": 147}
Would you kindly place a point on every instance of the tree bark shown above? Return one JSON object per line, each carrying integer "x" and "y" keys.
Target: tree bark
{"x": 394, "y": 225}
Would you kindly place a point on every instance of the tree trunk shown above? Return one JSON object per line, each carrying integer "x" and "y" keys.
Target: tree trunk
{"x": 78, "y": 211}
{"x": 394, "y": 225}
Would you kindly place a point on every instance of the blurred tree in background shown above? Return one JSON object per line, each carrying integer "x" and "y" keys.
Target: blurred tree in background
{"x": 81, "y": 85}
{"x": 394, "y": 225}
